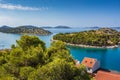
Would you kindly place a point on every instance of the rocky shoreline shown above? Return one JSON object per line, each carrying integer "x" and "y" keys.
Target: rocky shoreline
{"x": 87, "y": 46}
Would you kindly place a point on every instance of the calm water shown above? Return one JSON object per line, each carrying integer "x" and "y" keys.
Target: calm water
{"x": 109, "y": 58}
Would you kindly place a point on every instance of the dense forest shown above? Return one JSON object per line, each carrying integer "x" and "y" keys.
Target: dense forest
{"x": 29, "y": 59}
{"x": 102, "y": 37}
{"x": 24, "y": 29}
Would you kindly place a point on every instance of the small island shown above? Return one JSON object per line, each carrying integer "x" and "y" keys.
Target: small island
{"x": 101, "y": 38}
{"x": 28, "y": 29}
{"x": 65, "y": 27}
{"x": 56, "y": 27}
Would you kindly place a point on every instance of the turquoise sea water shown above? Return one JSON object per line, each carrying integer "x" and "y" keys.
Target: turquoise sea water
{"x": 109, "y": 58}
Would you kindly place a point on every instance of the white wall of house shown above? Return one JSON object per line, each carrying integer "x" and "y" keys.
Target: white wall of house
{"x": 96, "y": 66}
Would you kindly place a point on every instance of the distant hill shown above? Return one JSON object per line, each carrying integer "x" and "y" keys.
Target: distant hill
{"x": 108, "y": 31}
{"x": 66, "y": 27}
{"x": 24, "y": 29}
{"x": 59, "y": 27}
{"x": 5, "y": 27}
{"x": 94, "y": 27}
{"x": 103, "y": 37}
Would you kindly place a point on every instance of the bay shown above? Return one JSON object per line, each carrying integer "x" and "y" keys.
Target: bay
{"x": 109, "y": 58}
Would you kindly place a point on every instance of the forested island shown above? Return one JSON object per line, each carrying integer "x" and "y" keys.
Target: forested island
{"x": 101, "y": 38}
{"x": 29, "y": 59}
{"x": 24, "y": 29}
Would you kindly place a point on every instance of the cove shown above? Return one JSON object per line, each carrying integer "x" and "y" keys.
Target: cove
{"x": 109, "y": 58}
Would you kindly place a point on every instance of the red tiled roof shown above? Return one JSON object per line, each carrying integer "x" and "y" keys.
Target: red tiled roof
{"x": 102, "y": 75}
{"x": 89, "y": 62}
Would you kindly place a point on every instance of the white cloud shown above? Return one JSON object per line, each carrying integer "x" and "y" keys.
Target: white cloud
{"x": 19, "y": 7}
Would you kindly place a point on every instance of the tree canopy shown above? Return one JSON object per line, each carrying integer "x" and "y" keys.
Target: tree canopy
{"x": 31, "y": 60}
{"x": 100, "y": 37}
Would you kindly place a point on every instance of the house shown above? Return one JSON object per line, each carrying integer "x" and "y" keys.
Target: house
{"x": 103, "y": 75}
{"x": 91, "y": 64}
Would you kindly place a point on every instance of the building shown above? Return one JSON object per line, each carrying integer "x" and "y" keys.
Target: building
{"x": 102, "y": 75}
{"x": 91, "y": 64}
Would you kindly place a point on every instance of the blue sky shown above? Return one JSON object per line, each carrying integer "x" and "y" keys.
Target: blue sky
{"x": 74, "y": 13}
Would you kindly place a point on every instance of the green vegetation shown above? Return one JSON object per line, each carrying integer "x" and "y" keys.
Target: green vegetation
{"x": 31, "y": 60}
{"x": 24, "y": 29}
{"x": 101, "y": 37}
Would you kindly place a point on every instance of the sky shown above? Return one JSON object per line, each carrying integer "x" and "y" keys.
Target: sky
{"x": 73, "y": 13}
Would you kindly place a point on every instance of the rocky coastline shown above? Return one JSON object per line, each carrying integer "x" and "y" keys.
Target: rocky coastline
{"x": 87, "y": 46}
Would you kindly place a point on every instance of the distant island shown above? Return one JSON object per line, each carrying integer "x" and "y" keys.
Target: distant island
{"x": 24, "y": 29}
{"x": 67, "y": 27}
{"x": 100, "y": 38}
{"x": 94, "y": 27}
{"x": 56, "y": 27}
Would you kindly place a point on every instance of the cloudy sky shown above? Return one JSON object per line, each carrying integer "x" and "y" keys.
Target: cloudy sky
{"x": 74, "y": 13}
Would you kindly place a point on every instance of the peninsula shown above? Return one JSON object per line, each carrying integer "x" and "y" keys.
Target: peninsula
{"x": 24, "y": 29}
{"x": 101, "y": 38}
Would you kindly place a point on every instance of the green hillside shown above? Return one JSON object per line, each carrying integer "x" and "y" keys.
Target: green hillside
{"x": 101, "y": 37}
{"x": 24, "y": 29}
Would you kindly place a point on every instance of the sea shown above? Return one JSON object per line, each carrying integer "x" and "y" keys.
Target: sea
{"x": 109, "y": 58}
